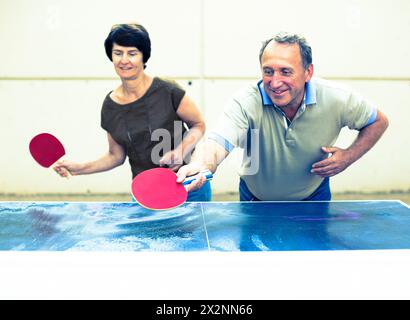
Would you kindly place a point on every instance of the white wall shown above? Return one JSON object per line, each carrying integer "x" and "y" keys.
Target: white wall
{"x": 54, "y": 75}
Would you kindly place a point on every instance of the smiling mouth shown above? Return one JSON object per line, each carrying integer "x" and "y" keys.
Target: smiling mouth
{"x": 278, "y": 92}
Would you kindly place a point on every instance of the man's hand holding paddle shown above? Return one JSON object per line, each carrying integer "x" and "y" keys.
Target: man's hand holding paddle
{"x": 192, "y": 169}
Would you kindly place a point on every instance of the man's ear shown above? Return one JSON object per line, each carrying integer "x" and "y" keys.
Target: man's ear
{"x": 309, "y": 73}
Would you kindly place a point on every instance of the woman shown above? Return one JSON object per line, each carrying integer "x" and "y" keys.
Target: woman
{"x": 141, "y": 111}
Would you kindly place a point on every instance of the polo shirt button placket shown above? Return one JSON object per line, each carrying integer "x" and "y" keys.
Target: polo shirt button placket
{"x": 289, "y": 138}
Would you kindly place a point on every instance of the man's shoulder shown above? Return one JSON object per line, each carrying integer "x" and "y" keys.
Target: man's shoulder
{"x": 331, "y": 91}
{"x": 331, "y": 86}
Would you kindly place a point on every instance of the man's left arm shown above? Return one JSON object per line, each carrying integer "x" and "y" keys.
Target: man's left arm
{"x": 340, "y": 159}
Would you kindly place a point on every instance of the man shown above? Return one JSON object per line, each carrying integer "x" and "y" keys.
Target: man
{"x": 297, "y": 119}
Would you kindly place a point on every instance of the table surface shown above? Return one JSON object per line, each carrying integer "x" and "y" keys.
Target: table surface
{"x": 207, "y": 226}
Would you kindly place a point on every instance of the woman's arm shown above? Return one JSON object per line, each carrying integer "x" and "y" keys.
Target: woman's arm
{"x": 113, "y": 158}
{"x": 190, "y": 114}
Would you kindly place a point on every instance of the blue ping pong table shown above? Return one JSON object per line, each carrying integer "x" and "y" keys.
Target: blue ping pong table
{"x": 213, "y": 226}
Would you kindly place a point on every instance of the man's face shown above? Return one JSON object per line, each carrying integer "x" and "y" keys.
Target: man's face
{"x": 283, "y": 74}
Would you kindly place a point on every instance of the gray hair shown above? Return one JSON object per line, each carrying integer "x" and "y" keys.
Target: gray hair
{"x": 284, "y": 37}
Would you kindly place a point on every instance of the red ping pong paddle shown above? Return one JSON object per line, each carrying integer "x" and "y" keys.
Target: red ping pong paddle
{"x": 157, "y": 189}
{"x": 46, "y": 149}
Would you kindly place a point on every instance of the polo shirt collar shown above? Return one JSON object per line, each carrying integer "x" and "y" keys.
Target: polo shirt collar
{"x": 309, "y": 98}
{"x": 310, "y": 93}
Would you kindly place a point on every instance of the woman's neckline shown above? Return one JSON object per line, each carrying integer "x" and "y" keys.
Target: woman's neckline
{"x": 154, "y": 79}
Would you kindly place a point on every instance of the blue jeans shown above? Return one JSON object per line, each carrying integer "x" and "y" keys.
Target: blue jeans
{"x": 322, "y": 193}
{"x": 203, "y": 194}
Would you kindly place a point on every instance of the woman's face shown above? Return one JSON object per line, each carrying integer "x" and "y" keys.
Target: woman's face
{"x": 128, "y": 61}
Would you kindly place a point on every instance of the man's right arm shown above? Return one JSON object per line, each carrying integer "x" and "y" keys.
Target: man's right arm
{"x": 209, "y": 153}
{"x": 207, "y": 156}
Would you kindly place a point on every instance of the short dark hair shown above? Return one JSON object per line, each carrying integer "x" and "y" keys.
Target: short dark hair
{"x": 129, "y": 35}
{"x": 284, "y": 37}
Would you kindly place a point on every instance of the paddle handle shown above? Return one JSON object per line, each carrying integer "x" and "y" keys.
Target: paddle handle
{"x": 208, "y": 175}
{"x": 68, "y": 173}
